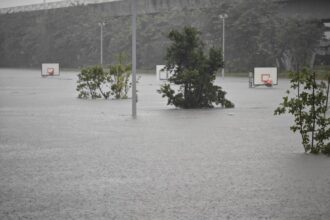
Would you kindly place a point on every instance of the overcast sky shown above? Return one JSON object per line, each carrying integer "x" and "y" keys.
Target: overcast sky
{"x": 12, "y": 3}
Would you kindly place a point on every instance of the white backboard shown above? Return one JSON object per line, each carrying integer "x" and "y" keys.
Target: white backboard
{"x": 162, "y": 74}
{"x": 50, "y": 69}
{"x": 263, "y": 74}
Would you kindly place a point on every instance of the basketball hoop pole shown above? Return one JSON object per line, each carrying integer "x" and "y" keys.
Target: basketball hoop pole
{"x": 101, "y": 24}
{"x": 133, "y": 8}
{"x": 223, "y": 17}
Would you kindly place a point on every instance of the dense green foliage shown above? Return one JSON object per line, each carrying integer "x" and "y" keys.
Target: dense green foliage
{"x": 296, "y": 42}
{"x": 309, "y": 104}
{"x": 194, "y": 72}
{"x": 96, "y": 82}
{"x": 256, "y": 35}
{"x": 120, "y": 75}
{"x": 92, "y": 82}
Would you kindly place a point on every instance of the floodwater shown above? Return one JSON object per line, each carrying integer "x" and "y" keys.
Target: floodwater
{"x": 66, "y": 158}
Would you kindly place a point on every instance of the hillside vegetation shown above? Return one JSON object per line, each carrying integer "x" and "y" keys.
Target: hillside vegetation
{"x": 256, "y": 35}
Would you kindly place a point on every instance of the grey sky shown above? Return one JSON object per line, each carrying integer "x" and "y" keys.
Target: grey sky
{"x": 13, "y": 3}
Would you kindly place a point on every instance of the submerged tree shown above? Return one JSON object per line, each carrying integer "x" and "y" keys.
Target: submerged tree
{"x": 309, "y": 105}
{"x": 120, "y": 74}
{"x": 92, "y": 82}
{"x": 96, "y": 82}
{"x": 194, "y": 72}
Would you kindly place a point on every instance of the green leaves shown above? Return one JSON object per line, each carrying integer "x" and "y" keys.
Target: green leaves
{"x": 90, "y": 82}
{"x": 308, "y": 105}
{"x": 120, "y": 75}
{"x": 257, "y": 34}
{"x": 194, "y": 72}
{"x": 96, "y": 82}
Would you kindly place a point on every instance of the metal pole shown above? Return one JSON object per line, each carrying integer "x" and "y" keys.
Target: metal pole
{"x": 134, "y": 97}
{"x": 223, "y": 17}
{"x": 223, "y": 46}
{"x": 101, "y": 24}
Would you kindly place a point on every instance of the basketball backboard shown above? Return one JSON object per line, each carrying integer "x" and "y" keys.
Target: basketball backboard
{"x": 264, "y": 75}
{"x": 50, "y": 69}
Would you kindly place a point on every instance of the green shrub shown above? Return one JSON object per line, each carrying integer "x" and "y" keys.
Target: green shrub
{"x": 91, "y": 83}
{"x": 308, "y": 104}
{"x": 96, "y": 82}
{"x": 194, "y": 72}
{"x": 120, "y": 75}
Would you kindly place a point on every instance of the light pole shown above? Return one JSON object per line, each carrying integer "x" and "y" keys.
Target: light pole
{"x": 134, "y": 97}
{"x": 223, "y": 17}
{"x": 101, "y": 24}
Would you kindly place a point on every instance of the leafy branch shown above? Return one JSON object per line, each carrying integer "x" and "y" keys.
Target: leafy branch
{"x": 308, "y": 104}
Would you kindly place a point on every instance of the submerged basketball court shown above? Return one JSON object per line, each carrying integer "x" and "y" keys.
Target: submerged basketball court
{"x": 66, "y": 158}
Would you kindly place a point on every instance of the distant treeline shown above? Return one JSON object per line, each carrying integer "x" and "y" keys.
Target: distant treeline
{"x": 256, "y": 35}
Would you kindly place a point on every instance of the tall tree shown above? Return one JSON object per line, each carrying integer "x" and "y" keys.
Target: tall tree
{"x": 251, "y": 29}
{"x": 297, "y": 40}
{"x": 308, "y": 103}
{"x": 258, "y": 35}
{"x": 194, "y": 72}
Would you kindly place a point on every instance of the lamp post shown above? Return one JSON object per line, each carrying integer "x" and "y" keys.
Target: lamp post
{"x": 101, "y": 24}
{"x": 134, "y": 96}
{"x": 223, "y": 17}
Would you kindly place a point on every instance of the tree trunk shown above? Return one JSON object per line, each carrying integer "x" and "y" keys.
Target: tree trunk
{"x": 327, "y": 101}
{"x": 313, "y": 109}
